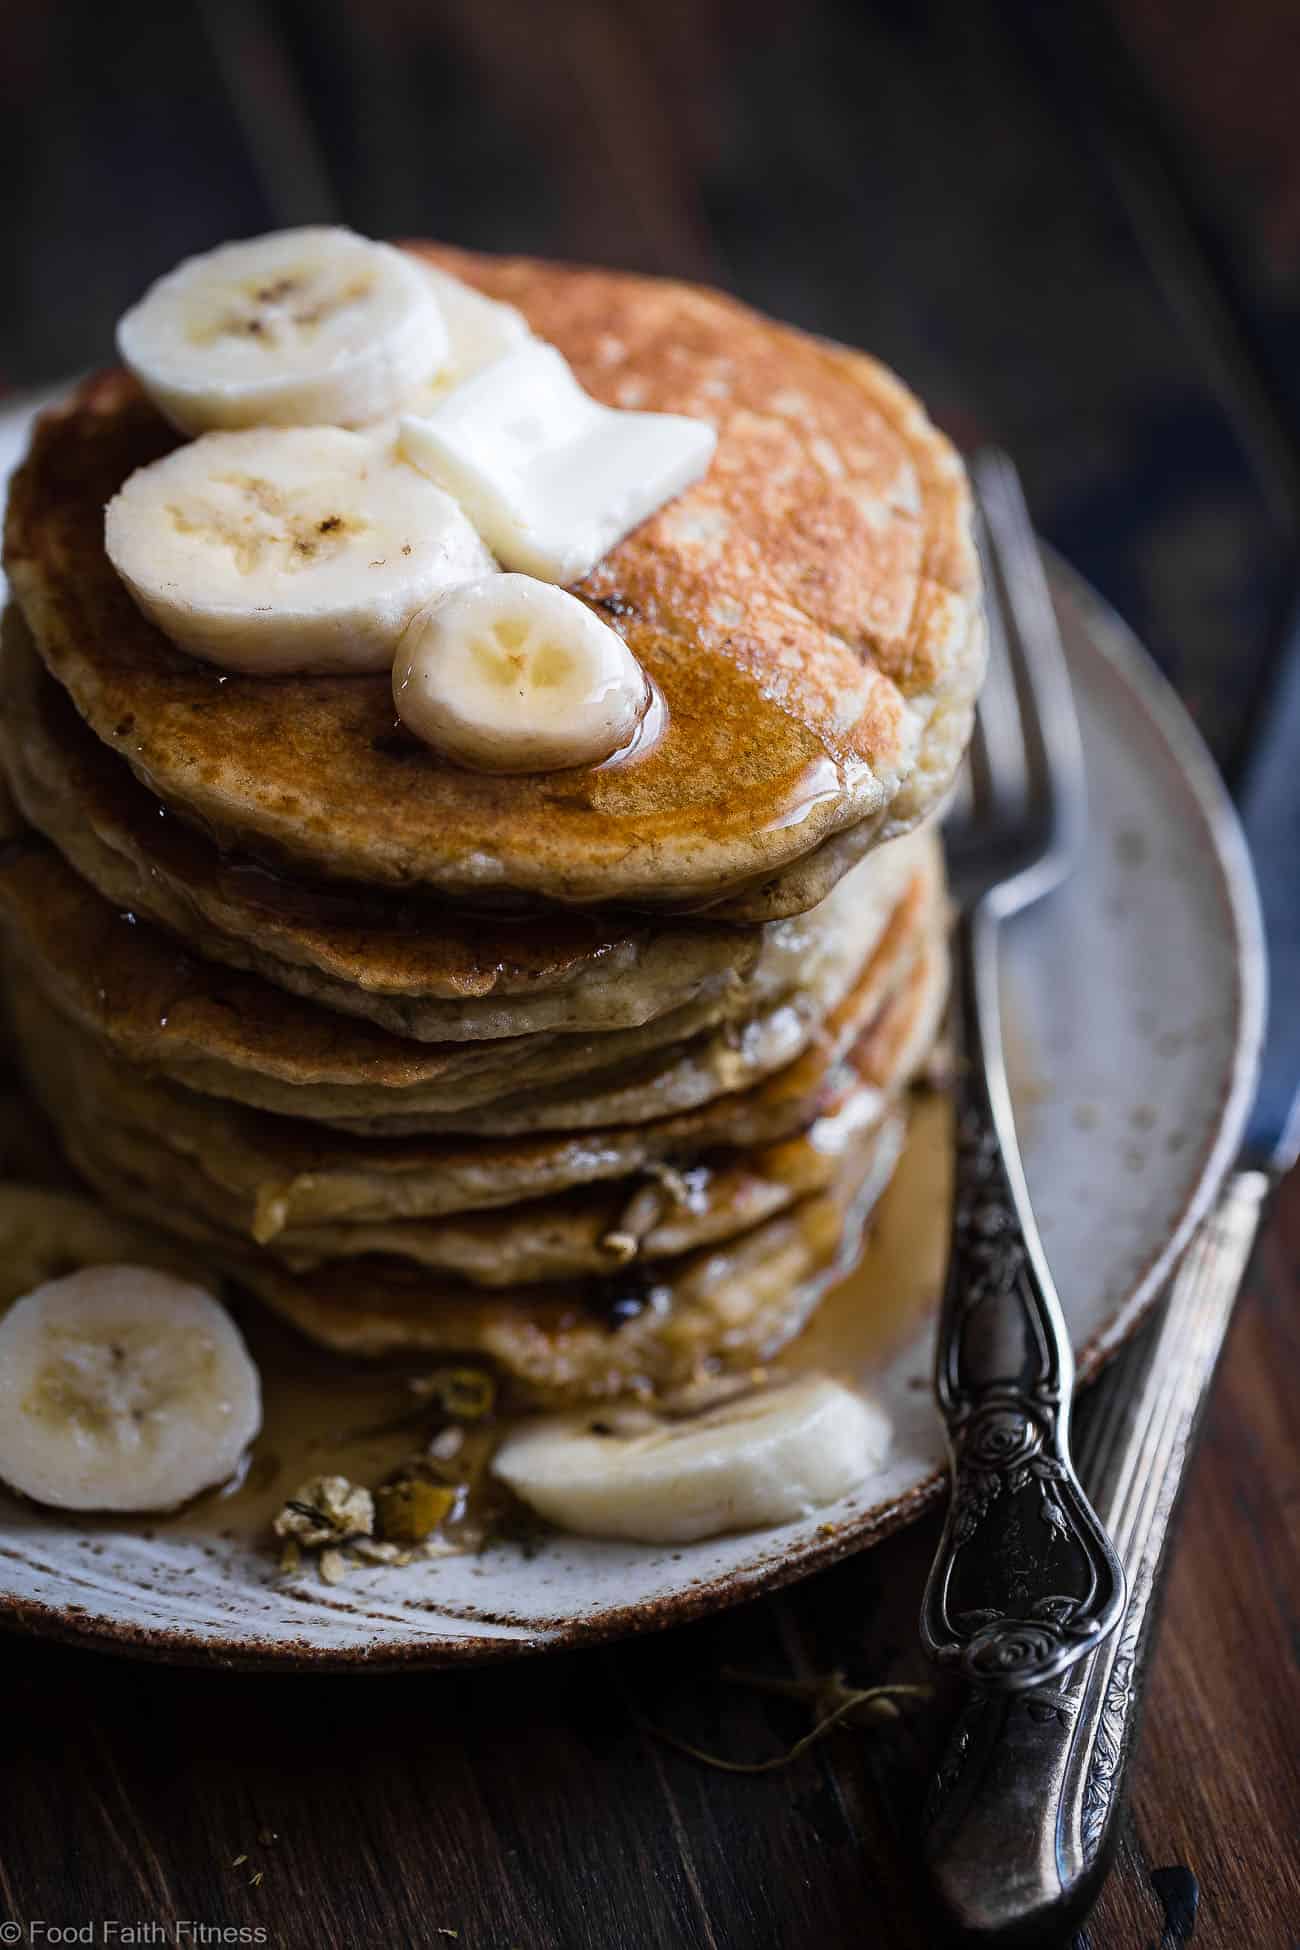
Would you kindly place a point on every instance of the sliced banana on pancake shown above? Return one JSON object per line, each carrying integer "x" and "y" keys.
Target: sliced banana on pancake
{"x": 763, "y": 1458}
{"x": 312, "y": 327}
{"x": 288, "y": 549}
{"x": 514, "y": 675}
{"x": 551, "y": 478}
{"x": 479, "y": 331}
{"x": 122, "y": 1388}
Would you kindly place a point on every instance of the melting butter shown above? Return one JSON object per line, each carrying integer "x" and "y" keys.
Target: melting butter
{"x": 550, "y": 477}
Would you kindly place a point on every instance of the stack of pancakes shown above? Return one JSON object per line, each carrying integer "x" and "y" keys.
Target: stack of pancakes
{"x": 591, "y": 1073}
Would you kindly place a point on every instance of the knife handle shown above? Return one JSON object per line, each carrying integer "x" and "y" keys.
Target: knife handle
{"x": 1023, "y": 1810}
{"x": 1025, "y": 1582}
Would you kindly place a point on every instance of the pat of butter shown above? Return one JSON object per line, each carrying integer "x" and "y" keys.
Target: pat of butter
{"x": 549, "y": 477}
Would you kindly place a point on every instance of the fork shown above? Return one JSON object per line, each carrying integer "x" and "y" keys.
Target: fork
{"x": 1025, "y": 1582}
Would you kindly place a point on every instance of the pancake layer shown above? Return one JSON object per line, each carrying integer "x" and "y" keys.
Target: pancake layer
{"x": 808, "y": 611}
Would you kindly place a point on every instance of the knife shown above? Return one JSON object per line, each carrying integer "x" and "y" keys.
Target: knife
{"x": 1023, "y": 1812}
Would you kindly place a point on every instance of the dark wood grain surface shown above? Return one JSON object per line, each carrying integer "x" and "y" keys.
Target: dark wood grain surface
{"x": 1077, "y": 229}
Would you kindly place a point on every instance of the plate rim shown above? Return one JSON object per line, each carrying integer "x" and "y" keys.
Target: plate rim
{"x": 1196, "y": 774}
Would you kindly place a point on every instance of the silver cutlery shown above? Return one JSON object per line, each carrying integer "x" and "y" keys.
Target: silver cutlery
{"x": 1024, "y": 1808}
{"x": 1025, "y": 1582}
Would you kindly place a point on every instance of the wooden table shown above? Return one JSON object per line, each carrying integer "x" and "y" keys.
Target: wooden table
{"x": 981, "y": 193}
{"x": 531, "y": 1805}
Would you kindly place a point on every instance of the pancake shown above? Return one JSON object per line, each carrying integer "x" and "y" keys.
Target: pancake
{"x": 268, "y": 1179}
{"x": 235, "y": 1035}
{"x": 801, "y": 1036}
{"x": 417, "y": 967}
{"x": 621, "y": 1230}
{"x": 111, "y": 1133}
{"x": 725, "y": 1306}
{"x": 909, "y": 968}
{"x": 724, "y": 1309}
{"x": 808, "y": 612}
{"x": 664, "y": 1219}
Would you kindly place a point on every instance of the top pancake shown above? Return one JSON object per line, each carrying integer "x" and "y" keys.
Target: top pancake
{"x": 808, "y": 612}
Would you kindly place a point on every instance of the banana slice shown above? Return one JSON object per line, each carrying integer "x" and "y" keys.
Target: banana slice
{"x": 122, "y": 1388}
{"x": 479, "y": 331}
{"x": 550, "y": 478}
{"x": 288, "y": 549}
{"x": 764, "y": 1458}
{"x": 514, "y": 675}
{"x": 315, "y": 327}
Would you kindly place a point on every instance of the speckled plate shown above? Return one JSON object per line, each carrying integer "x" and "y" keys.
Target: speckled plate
{"x": 1134, "y": 998}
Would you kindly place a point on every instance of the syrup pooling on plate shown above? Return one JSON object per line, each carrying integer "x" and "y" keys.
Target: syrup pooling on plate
{"x": 325, "y": 1415}
{"x": 896, "y": 1280}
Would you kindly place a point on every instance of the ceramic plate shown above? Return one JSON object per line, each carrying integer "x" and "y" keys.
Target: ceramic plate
{"x": 1134, "y": 1002}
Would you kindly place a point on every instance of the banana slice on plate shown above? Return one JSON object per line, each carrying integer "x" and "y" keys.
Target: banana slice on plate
{"x": 313, "y": 327}
{"x": 122, "y": 1388}
{"x": 288, "y": 549}
{"x": 762, "y": 1458}
{"x": 515, "y": 675}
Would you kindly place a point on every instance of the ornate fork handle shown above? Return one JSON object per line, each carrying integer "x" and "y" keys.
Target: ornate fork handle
{"x": 1025, "y": 1582}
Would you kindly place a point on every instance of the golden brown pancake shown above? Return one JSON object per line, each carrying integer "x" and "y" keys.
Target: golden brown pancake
{"x": 752, "y": 1300}
{"x": 605, "y": 1231}
{"x": 808, "y": 612}
{"x": 416, "y": 966}
{"x": 264, "y": 1176}
{"x": 290, "y": 1173}
{"x": 727, "y": 1305}
{"x": 236, "y": 1035}
{"x": 113, "y": 1122}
